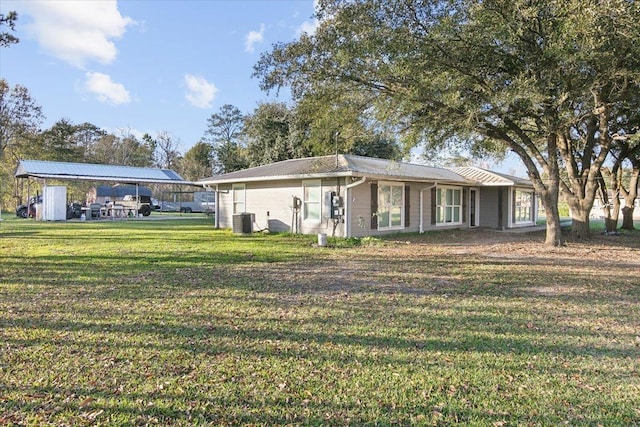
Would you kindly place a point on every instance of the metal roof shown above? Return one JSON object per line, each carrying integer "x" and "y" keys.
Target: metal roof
{"x": 343, "y": 165}
{"x": 97, "y": 172}
{"x": 490, "y": 178}
{"x": 121, "y": 190}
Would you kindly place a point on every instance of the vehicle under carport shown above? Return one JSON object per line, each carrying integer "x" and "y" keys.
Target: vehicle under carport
{"x": 47, "y": 171}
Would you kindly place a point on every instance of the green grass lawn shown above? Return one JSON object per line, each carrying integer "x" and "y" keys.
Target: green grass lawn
{"x": 173, "y": 323}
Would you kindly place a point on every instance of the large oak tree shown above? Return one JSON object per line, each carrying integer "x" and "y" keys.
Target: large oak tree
{"x": 545, "y": 79}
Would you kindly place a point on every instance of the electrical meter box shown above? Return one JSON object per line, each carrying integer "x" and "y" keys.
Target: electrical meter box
{"x": 334, "y": 205}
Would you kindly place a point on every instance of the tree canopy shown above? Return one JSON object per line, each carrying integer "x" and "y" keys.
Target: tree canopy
{"x": 6, "y": 38}
{"x": 225, "y": 134}
{"x": 546, "y": 79}
{"x": 196, "y": 162}
{"x": 20, "y": 115}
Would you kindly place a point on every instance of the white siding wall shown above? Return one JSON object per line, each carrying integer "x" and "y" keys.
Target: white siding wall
{"x": 276, "y": 198}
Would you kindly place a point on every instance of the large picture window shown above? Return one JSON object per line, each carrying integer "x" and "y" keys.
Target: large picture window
{"x": 523, "y": 206}
{"x": 390, "y": 205}
{"x": 449, "y": 206}
{"x": 311, "y": 200}
{"x": 239, "y": 195}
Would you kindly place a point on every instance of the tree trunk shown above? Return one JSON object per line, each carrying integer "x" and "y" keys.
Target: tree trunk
{"x": 627, "y": 217}
{"x": 611, "y": 226}
{"x": 609, "y": 208}
{"x": 580, "y": 228}
{"x": 630, "y": 198}
{"x": 554, "y": 229}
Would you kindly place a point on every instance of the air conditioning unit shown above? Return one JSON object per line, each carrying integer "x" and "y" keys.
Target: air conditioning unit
{"x": 243, "y": 223}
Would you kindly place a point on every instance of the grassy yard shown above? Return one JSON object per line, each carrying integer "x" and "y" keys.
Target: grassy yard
{"x": 173, "y": 323}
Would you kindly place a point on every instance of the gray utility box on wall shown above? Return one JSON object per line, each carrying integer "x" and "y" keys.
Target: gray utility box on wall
{"x": 243, "y": 223}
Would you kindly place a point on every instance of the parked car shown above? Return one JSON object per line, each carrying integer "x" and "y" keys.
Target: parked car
{"x": 28, "y": 210}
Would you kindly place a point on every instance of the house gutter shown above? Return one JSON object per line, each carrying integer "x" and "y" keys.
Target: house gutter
{"x": 347, "y": 202}
{"x": 435, "y": 184}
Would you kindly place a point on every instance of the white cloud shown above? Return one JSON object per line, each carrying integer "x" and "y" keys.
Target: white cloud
{"x": 253, "y": 38}
{"x": 200, "y": 93}
{"x": 310, "y": 26}
{"x": 106, "y": 89}
{"x": 78, "y": 31}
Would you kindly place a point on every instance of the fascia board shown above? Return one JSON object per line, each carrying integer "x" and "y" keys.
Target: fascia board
{"x": 109, "y": 179}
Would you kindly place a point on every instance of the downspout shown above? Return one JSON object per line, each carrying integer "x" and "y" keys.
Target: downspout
{"x": 216, "y": 211}
{"x": 435, "y": 184}
{"x": 347, "y": 202}
{"x": 43, "y": 214}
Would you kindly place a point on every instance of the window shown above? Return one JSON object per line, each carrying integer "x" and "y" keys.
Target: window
{"x": 238, "y": 198}
{"x": 449, "y": 206}
{"x": 311, "y": 200}
{"x": 390, "y": 205}
{"x": 523, "y": 206}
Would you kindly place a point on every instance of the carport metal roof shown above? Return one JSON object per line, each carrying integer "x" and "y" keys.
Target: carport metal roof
{"x": 97, "y": 172}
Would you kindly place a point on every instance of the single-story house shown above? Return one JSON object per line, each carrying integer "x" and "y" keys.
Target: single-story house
{"x": 352, "y": 196}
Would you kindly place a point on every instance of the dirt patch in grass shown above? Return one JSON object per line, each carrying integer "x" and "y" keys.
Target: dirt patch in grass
{"x": 600, "y": 249}
{"x": 457, "y": 261}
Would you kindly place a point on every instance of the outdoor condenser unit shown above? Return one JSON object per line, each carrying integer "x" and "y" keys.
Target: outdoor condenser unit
{"x": 243, "y": 223}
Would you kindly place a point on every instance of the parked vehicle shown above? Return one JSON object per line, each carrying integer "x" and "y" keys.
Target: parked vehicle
{"x": 190, "y": 202}
{"x": 28, "y": 210}
{"x": 143, "y": 204}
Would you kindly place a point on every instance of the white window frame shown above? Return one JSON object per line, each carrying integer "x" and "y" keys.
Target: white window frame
{"x": 239, "y": 189}
{"x": 312, "y": 183}
{"x": 444, "y": 207}
{"x": 531, "y": 218}
{"x": 390, "y": 206}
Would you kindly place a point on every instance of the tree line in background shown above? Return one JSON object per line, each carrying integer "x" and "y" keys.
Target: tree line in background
{"x": 557, "y": 82}
{"x": 231, "y": 141}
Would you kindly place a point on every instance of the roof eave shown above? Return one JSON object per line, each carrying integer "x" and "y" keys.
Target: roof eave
{"x": 333, "y": 175}
{"x": 125, "y": 180}
{"x": 274, "y": 178}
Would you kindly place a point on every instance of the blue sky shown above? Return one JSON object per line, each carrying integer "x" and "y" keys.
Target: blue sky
{"x": 146, "y": 65}
{"x": 150, "y": 66}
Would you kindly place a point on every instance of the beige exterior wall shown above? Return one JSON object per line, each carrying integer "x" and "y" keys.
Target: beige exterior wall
{"x": 489, "y": 207}
{"x": 360, "y": 210}
{"x": 272, "y": 204}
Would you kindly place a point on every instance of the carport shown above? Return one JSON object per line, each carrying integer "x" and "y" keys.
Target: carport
{"x": 66, "y": 171}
